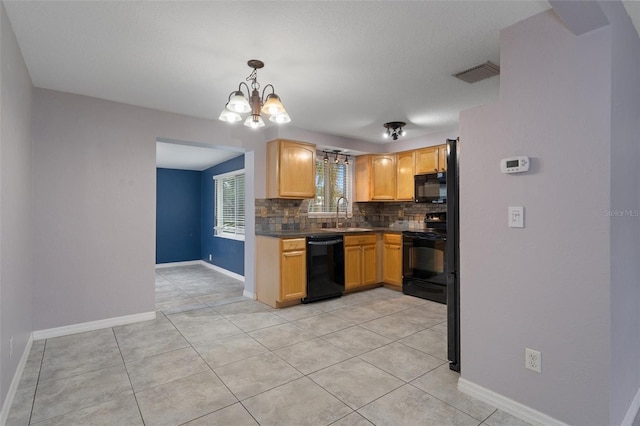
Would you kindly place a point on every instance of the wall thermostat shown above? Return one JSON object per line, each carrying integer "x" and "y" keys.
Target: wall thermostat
{"x": 514, "y": 164}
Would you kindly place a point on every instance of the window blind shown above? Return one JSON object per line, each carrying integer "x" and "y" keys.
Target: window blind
{"x": 332, "y": 182}
{"x": 230, "y": 207}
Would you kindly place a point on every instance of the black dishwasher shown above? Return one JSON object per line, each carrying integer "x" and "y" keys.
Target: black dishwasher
{"x": 325, "y": 267}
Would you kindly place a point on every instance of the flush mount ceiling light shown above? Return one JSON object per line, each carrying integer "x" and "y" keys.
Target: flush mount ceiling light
{"x": 394, "y": 129}
{"x": 253, "y": 103}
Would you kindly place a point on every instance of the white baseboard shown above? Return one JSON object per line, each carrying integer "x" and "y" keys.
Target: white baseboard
{"x": 632, "y": 412}
{"x": 223, "y": 271}
{"x": 92, "y": 325}
{"x": 172, "y": 264}
{"x": 507, "y": 405}
{"x": 201, "y": 262}
{"x": 248, "y": 294}
{"x": 13, "y": 388}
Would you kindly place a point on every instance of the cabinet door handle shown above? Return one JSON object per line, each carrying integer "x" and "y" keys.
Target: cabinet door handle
{"x": 292, "y": 253}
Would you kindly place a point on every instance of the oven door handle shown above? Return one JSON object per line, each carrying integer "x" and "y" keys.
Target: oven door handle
{"x": 431, "y": 238}
{"x": 324, "y": 243}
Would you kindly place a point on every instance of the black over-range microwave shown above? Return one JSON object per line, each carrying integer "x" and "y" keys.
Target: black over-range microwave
{"x": 431, "y": 188}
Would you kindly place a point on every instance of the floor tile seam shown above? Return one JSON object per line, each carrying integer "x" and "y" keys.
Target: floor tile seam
{"x": 208, "y": 366}
{"x": 84, "y": 407}
{"x": 403, "y": 383}
{"x": 378, "y": 398}
{"x": 288, "y": 382}
{"x": 287, "y": 345}
{"x": 92, "y": 370}
{"x": 448, "y": 403}
{"x": 173, "y": 298}
{"x": 135, "y": 398}
{"x": 128, "y": 363}
{"x": 418, "y": 349}
{"x": 193, "y": 326}
{"x": 243, "y": 313}
{"x": 453, "y": 406}
{"x": 320, "y": 369}
{"x": 141, "y": 391}
{"x": 44, "y": 380}
{"x": 33, "y": 400}
{"x": 198, "y": 328}
{"x": 248, "y": 411}
{"x": 374, "y": 332}
{"x": 232, "y": 362}
{"x": 484, "y": 422}
{"x": 346, "y": 415}
{"x": 226, "y": 304}
{"x": 420, "y": 331}
{"x": 214, "y": 411}
{"x": 292, "y": 323}
{"x": 135, "y": 333}
{"x": 389, "y": 372}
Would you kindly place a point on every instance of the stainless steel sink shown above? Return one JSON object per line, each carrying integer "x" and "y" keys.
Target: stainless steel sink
{"x": 347, "y": 229}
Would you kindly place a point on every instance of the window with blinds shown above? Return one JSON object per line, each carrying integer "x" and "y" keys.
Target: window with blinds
{"x": 229, "y": 209}
{"x": 332, "y": 182}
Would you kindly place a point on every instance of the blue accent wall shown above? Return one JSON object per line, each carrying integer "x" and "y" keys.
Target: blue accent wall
{"x": 225, "y": 253}
{"x": 178, "y": 207}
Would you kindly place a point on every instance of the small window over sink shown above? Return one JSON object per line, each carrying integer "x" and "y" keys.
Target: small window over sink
{"x": 333, "y": 180}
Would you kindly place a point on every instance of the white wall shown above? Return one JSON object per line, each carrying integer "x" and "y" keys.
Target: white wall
{"x": 625, "y": 230}
{"x": 546, "y": 286}
{"x": 94, "y": 209}
{"x": 94, "y": 212}
{"x": 15, "y": 205}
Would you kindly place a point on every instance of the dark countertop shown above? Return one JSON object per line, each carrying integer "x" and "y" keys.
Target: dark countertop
{"x": 332, "y": 231}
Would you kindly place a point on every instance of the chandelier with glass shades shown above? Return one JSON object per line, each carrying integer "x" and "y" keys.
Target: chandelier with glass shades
{"x": 240, "y": 104}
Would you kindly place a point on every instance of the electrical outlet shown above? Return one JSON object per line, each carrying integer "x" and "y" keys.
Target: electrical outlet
{"x": 210, "y": 258}
{"x": 286, "y": 212}
{"x": 401, "y": 213}
{"x": 533, "y": 360}
{"x": 10, "y": 347}
{"x": 263, "y": 211}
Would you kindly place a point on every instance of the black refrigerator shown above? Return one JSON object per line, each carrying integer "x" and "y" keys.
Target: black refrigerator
{"x": 453, "y": 258}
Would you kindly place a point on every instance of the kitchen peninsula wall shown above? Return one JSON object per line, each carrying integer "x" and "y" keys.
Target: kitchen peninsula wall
{"x": 274, "y": 215}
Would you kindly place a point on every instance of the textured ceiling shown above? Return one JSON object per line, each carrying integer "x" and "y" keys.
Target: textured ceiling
{"x": 340, "y": 67}
{"x": 187, "y": 157}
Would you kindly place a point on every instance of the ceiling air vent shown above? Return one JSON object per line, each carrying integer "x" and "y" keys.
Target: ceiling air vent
{"x": 479, "y": 72}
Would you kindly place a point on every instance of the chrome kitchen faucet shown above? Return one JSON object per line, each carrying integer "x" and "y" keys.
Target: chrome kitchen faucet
{"x": 338, "y": 211}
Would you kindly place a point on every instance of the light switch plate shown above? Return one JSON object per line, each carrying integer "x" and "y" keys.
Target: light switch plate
{"x": 516, "y": 217}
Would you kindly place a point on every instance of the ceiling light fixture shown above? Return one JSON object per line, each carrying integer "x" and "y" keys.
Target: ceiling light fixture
{"x": 394, "y": 129}
{"x": 253, "y": 103}
{"x": 336, "y": 159}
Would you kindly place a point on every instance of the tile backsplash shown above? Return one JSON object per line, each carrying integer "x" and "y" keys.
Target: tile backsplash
{"x": 274, "y": 215}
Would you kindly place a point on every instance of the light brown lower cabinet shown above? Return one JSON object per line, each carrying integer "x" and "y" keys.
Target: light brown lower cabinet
{"x": 281, "y": 275}
{"x": 360, "y": 260}
{"x": 392, "y": 259}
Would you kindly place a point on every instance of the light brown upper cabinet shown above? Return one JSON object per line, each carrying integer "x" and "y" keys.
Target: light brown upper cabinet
{"x": 405, "y": 170}
{"x": 291, "y": 169}
{"x": 442, "y": 158}
{"x": 431, "y": 159}
{"x": 376, "y": 177}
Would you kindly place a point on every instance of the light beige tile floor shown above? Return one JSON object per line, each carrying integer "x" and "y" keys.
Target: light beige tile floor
{"x": 214, "y": 357}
